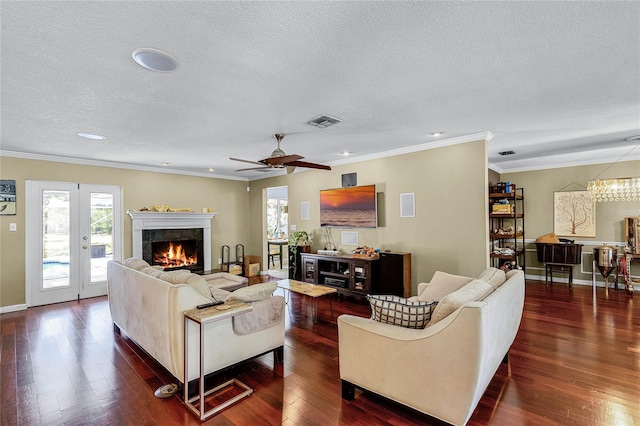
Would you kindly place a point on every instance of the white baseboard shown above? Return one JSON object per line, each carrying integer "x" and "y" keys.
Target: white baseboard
{"x": 580, "y": 282}
{"x": 13, "y": 308}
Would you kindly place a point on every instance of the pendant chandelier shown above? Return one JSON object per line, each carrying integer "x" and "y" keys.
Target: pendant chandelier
{"x": 622, "y": 189}
{"x": 608, "y": 190}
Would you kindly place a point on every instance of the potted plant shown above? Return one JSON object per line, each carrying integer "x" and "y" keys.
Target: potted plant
{"x": 298, "y": 238}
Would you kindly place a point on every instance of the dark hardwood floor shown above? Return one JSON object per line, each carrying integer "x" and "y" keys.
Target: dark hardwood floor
{"x": 574, "y": 362}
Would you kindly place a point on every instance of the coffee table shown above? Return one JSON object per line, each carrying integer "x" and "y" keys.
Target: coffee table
{"x": 314, "y": 291}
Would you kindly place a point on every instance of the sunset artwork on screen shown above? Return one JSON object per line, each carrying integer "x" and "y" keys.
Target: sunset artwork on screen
{"x": 352, "y": 207}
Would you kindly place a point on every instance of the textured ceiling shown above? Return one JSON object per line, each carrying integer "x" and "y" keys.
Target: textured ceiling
{"x": 557, "y": 82}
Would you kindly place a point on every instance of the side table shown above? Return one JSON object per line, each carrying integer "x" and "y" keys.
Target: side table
{"x": 202, "y": 317}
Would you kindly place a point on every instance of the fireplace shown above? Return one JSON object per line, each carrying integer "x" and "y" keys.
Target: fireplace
{"x": 156, "y": 232}
{"x": 174, "y": 248}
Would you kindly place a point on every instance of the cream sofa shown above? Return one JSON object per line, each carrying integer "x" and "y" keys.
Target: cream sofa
{"x": 443, "y": 369}
{"x": 147, "y": 306}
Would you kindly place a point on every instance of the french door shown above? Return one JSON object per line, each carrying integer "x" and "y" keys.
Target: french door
{"x": 72, "y": 231}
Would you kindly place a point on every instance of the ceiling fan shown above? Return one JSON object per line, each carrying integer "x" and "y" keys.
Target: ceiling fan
{"x": 279, "y": 160}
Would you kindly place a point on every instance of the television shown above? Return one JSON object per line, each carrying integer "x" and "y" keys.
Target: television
{"x": 351, "y": 207}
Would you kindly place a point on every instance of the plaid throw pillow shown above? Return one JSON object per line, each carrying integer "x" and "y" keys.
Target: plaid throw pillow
{"x": 397, "y": 310}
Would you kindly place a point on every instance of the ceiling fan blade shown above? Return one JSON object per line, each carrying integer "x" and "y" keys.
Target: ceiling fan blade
{"x": 308, "y": 165}
{"x": 245, "y": 161}
{"x": 254, "y": 168}
{"x": 285, "y": 159}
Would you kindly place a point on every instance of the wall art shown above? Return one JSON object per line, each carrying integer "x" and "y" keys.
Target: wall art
{"x": 7, "y": 197}
{"x": 574, "y": 214}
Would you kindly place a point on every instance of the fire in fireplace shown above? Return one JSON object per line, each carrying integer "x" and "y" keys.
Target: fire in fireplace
{"x": 174, "y": 254}
{"x": 174, "y": 248}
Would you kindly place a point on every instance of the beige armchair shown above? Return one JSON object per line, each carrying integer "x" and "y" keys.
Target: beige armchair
{"x": 441, "y": 370}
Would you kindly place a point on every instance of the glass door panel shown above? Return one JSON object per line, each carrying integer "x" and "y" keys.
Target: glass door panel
{"x": 56, "y": 239}
{"x": 101, "y": 235}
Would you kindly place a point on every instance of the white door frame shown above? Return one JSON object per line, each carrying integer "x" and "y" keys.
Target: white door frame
{"x": 80, "y": 251}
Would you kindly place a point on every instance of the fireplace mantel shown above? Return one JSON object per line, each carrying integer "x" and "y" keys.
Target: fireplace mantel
{"x": 171, "y": 220}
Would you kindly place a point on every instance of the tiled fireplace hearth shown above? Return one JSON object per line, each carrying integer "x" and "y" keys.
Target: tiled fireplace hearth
{"x": 155, "y": 232}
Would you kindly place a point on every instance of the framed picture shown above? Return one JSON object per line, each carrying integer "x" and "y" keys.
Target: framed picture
{"x": 7, "y": 197}
{"x": 574, "y": 214}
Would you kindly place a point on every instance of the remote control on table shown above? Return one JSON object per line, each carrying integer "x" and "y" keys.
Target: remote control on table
{"x": 207, "y": 305}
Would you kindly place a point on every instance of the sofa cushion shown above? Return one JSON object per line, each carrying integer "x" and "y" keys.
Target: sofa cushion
{"x": 442, "y": 284}
{"x": 493, "y": 276}
{"x": 475, "y": 290}
{"x": 136, "y": 263}
{"x": 254, "y": 293}
{"x": 154, "y": 272}
{"x": 179, "y": 276}
{"x": 397, "y": 310}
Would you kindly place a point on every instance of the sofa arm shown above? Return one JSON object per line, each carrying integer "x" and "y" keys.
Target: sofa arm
{"x": 265, "y": 313}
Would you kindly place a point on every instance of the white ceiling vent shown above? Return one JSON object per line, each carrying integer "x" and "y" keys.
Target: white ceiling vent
{"x": 323, "y": 121}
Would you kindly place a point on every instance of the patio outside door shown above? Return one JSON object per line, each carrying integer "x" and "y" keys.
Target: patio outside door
{"x": 73, "y": 230}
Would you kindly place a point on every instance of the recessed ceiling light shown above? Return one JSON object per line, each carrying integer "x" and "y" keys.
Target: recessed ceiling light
{"x": 210, "y": 169}
{"x": 633, "y": 139}
{"x": 164, "y": 163}
{"x": 437, "y": 133}
{"x": 155, "y": 60}
{"x": 91, "y": 136}
{"x": 345, "y": 153}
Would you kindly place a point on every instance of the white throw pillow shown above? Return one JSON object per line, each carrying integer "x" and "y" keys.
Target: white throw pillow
{"x": 219, "y": 294}
{"x": 442, "y": 284}
{"x": 253, "y": 293}
{"x": 493, "y": 276}
{"x": 475, "y": 290}
{"x": 200, "y": 285}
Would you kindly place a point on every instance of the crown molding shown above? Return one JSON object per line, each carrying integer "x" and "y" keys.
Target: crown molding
{"x": 85, "y": 162}
{"x": 487, "y": 136}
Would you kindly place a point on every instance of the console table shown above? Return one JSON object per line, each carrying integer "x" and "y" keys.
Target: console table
{"x": 202, "y": 317}
{"x": 355, "y": 276}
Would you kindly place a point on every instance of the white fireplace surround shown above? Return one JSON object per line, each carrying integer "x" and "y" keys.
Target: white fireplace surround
{"x": 171, "y": 220}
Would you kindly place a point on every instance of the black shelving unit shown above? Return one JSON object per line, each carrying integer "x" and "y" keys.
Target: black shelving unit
{"x": 502, "y": 240}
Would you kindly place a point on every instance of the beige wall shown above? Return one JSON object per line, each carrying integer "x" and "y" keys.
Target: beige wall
{"x": 539, "y": 187}
{"x": 140, "y": 189}
{"x": 450, "y": 230}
